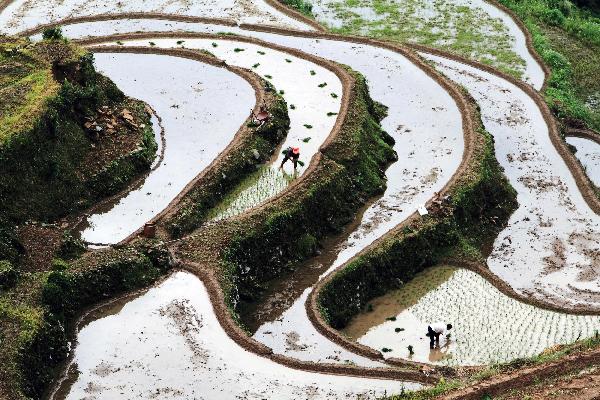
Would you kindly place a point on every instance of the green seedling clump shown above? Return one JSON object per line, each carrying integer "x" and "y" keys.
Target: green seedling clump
{"x": 237, "y": 49}
{"x": 335, "y": 96}
{"x": 256, "y": 65}
{"x": 308, "y": 126}
{"x": 306, "y": 139}
{"x": 322, "y": 85}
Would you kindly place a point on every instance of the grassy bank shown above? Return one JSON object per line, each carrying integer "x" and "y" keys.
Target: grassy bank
{"x": 264, "y": 243}
{"x": 567, "y": 38}
{"x": 480, "y": 203}
{"x": 70, "y": 137}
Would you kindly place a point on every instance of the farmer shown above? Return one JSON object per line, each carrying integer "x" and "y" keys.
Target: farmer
{"x": 292, "y": 153}
{"x": 435, "y": 330}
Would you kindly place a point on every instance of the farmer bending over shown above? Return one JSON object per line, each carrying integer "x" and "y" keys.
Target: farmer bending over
{"x": 292, "y": 153}
{"x": 435, "y": 330}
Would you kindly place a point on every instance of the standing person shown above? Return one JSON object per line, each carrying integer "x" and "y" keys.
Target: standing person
{"x": 435, "y": 330}
{"x": 292, "y": 153}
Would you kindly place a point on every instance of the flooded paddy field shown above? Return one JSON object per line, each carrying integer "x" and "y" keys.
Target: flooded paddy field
{"x": 168, "y": 343}
{"x": 488, "y": 326}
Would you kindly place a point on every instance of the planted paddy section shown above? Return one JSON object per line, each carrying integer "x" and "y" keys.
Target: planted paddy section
{"x": 20, "y": 15}
{"x": 189, "y": 97}
{"x": 475, "y": 29}
{"x": 588, "y": 153}
{"x": 488, "y": 326}
{"x": 311, "y": 91}
{"x": 168, "y": 342}
{"x": 550, "y": 250}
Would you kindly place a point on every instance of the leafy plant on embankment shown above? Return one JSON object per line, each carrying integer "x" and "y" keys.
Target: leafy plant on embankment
{"x": 481, "y": 202}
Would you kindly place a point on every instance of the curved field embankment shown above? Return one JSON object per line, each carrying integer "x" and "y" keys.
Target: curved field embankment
{"x": 231, "y": 250}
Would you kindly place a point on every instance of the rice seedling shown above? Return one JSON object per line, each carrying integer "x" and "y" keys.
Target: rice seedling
{"x": 335, "y": 96}
{"x": 238, "y": 49}
{"x": 268, "y": 76}
{"x": 180, "y": 42}
{"x": 258, "y": 187}
{"x": 329, "y": 114}
{"x": 308, "y": 126}
{"x": 288, "y": 60}
{"x": 306, "y": 139}
{"x": 119, "y": 43}
{"x": 282, "y": 92}
{"x": 256, "y": 65}
{"x": 214, "y": 44}
{"x": 322, "y": 85}
{"x": 292, "y": 107}
{"x": 262, "y": 53}
{"x": 312, "y": 72}
{"x": 152, "y": 43}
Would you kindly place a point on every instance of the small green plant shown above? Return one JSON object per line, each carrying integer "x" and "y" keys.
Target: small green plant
{"x": 322, "y": 85}
{"x": 268, "y": 77}
{"x": 329, "y": 114}
{"x": 180, "y": 42}
{"x": 152, "y": 43}
{"x": 312, "y": 72}
{"x": 256, "y": 65}
{"x": 292, "y": 107}
{"x": 54, "y": 33}
{"x": 385, "y": 350}
{"x": 306, "y": 139}
{"x": 282, "y": 92}
{"x": 398, "y": 330}
{"x": 288, "y": 60}
{"x": 390, "y": 319}
{"x": 335, "y": 96}
{"x": 262, "y": 53}
{"x": 214, "y": 44}
{"x": 58, "y": 264}
{"x": 119, "y": 43}
{"x": 308, "y": 126}
{"x": 237, "y": 49}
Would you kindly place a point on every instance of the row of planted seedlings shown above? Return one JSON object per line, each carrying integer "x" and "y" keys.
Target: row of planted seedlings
{"x": 478, "y": 204}
{"x": 44, "y": 316}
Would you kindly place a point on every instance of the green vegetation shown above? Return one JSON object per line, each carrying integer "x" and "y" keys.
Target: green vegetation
{"x": 41, "y": 309}
{"x": 49, "y": 157}
{"x": 468, "y": 31}
{"x": 568, "y": 40}
{"x": 303, "y": 6}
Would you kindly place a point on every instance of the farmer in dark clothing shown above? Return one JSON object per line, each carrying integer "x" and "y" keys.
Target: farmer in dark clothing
{"x": 435, "y": 330}
{"x": 292, "y": 153}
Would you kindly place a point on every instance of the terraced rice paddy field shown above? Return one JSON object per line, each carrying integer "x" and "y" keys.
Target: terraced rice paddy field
{"x": 434, "y": 184}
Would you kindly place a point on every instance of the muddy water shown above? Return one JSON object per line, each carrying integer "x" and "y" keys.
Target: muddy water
{"x": 551, "y": 247}
{"x": 588, "y": 152}
{"x": 488, "y": 327}
{"x": 189, "y": 96}
{"x": 167, "y": 343}
{"x": 26, "y": 14}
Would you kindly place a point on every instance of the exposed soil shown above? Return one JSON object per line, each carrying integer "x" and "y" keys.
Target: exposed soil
{"x": 40, "y": 243}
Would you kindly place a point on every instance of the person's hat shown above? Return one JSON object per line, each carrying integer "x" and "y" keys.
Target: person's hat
{"x": 296, "y": 150}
